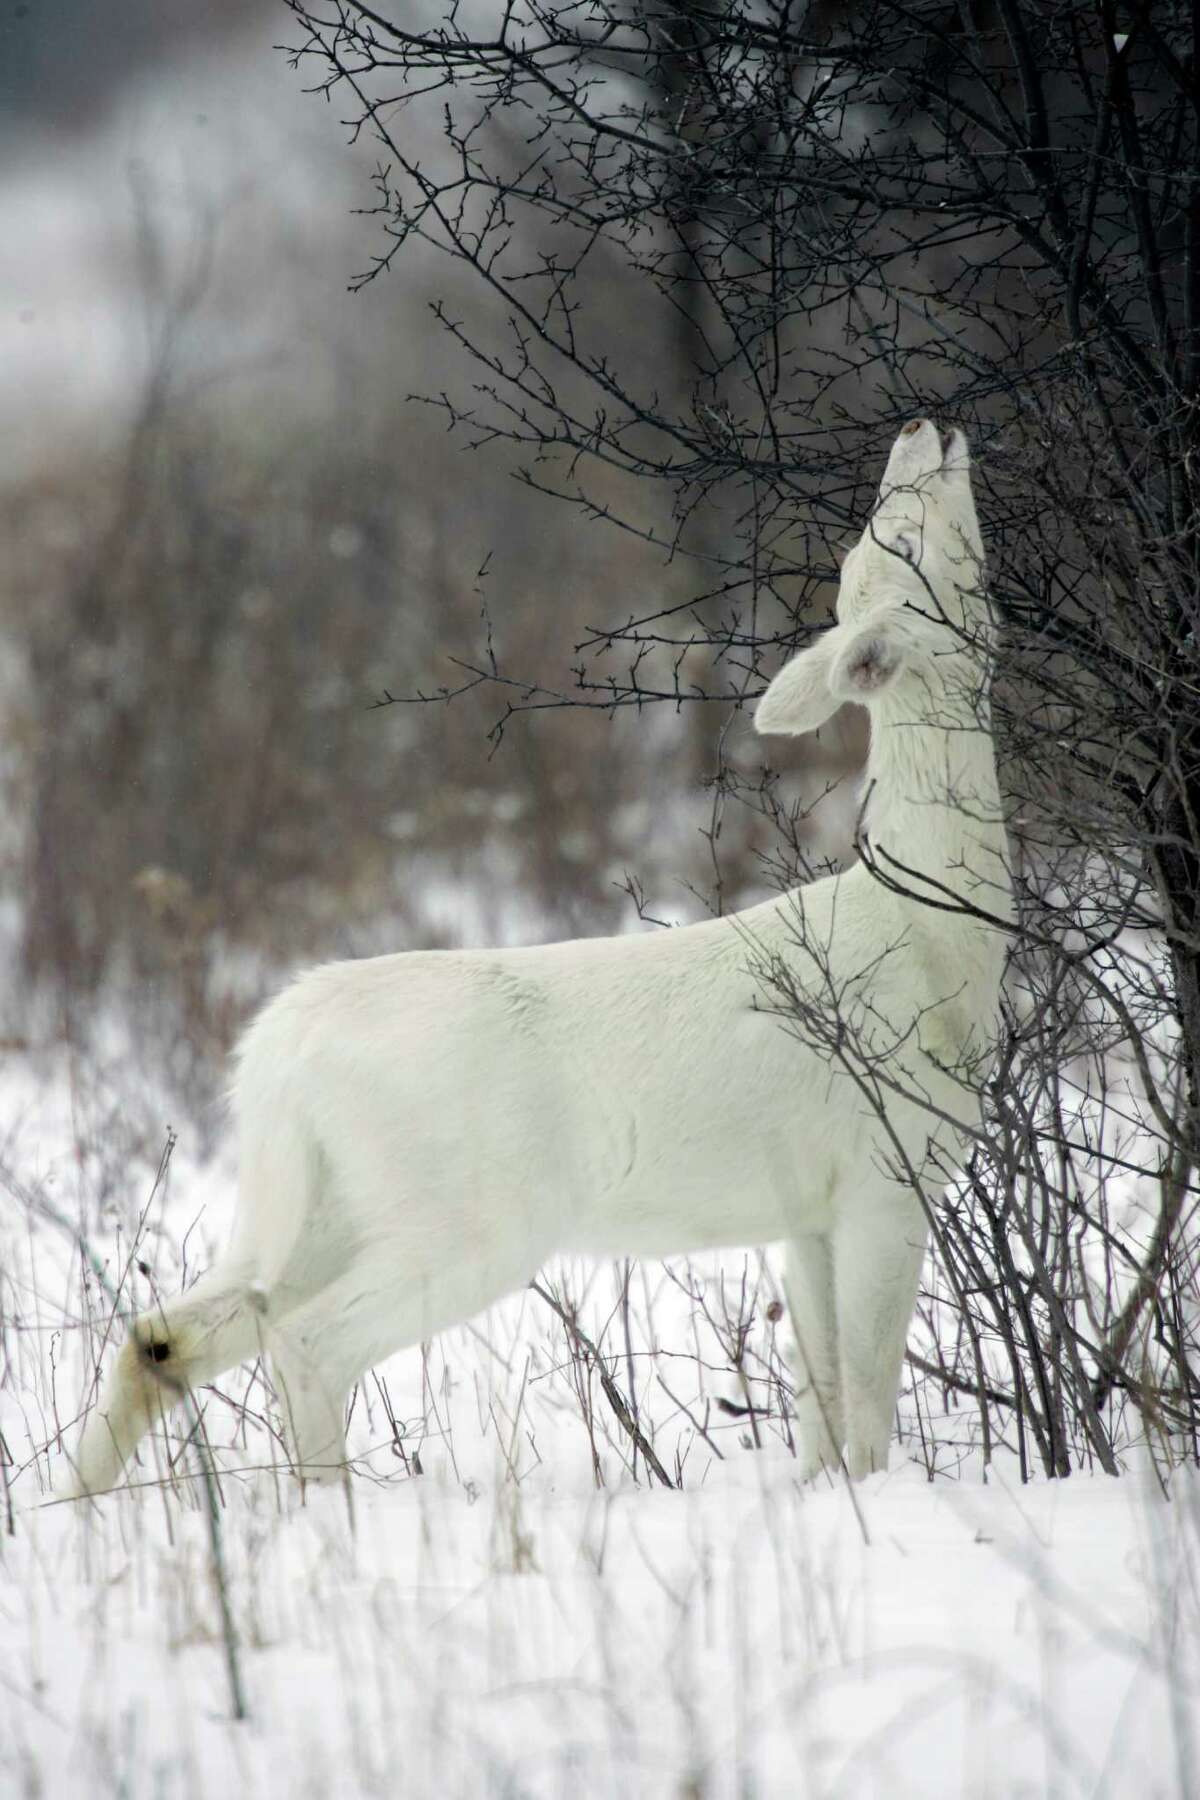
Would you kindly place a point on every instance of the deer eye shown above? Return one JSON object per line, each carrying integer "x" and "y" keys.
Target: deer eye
{"x": 906, "y": 547}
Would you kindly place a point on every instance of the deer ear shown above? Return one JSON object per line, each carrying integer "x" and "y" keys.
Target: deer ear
{"x": 800, "y": 697}
{"x": 866, "y": 663}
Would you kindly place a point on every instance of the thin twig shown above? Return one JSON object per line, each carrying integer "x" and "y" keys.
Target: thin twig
{"x": 612, "y": 1392}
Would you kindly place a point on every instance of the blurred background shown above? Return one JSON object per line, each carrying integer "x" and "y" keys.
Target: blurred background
{"x": 230, "y": 529}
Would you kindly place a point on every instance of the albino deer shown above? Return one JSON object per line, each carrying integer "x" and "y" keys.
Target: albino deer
{"x": 418, "y": 1133}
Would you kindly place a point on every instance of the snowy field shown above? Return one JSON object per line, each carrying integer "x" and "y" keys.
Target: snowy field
{"x": 534, "y": 1613}
{"x": 504, "y": 1600}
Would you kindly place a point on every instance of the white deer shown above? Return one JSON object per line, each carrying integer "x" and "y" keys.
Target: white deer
{"x": 419, "y": 1132}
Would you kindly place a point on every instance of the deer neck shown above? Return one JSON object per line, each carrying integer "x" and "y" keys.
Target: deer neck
{"x": 933, "y": 805}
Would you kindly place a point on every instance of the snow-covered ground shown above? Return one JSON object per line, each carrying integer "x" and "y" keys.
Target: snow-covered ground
{"x": 528, "y": 1615}
{"x": 472, "y": 1637}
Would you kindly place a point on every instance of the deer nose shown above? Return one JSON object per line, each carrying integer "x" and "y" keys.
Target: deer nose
{"x": 945, "y": 434}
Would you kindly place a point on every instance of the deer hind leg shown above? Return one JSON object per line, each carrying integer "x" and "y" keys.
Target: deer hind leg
{"x": 312, "y": 1394}
{"x": 818, "y": 1403}
{"x": 878, "y": 1252}
{"x": 321, "y": 1346}
{"x": 377, "y": 1305}
{"x": 175, "y": 1347}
